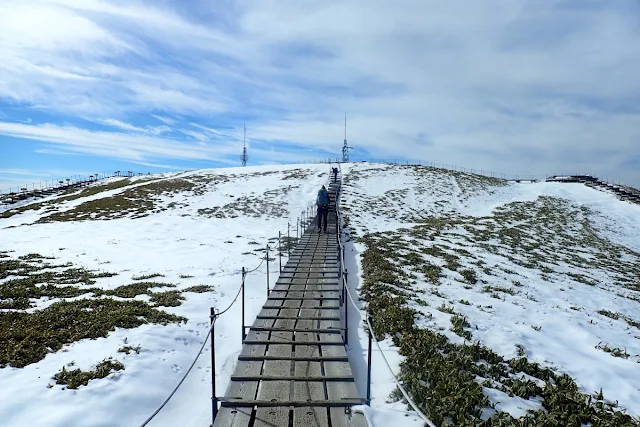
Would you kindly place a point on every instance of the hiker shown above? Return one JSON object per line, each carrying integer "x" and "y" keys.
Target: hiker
{"x": 335, "y": 174}
{"x": 322, "y": 201}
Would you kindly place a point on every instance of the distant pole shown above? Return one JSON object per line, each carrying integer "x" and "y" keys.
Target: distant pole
{"x": 345, "y": 146}
{"x": 268, "y": 269}
{"x": 245, "y": 156}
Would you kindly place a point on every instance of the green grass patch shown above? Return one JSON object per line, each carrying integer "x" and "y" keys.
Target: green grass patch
{"x": 127, "y": 349}
{"x": 199, "y": 289}
{"x": 147, "y": 276}
{"x": 492, "y": 289}
{"x": 77, "y": 377}
{"x": 469, "y": 275}
{"x": 615, "y": 352}
{"x": 442, "y": 377}
{"x": 28, "y": 337}
{"x": 166, "y": 299}
{"x": 135, "y": 289}
{"x": 609, "y": 314}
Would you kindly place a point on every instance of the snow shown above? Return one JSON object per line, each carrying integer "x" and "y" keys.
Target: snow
{"x": 566, "y": 339}
{"x": 180, "y": 241}
{"x": 167, "y": 243}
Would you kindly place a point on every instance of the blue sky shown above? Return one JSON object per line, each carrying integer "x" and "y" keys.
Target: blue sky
{"x": 512, "y": 86}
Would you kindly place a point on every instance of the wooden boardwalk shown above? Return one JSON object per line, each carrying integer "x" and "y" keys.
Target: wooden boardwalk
{"x": 293, "y": 369}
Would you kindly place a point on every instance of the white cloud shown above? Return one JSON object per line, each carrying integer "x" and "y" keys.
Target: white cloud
{"x": 119, "y": 145}
{"x": 514, "y": 86}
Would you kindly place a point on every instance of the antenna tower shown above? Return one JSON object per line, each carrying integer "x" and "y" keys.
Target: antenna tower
{"x": 244, "y": 156}
{"x": 345, "y": 147}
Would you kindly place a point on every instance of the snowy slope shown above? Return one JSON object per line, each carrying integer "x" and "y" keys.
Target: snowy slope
{"x": 556, "y": 270}
{"x": 208, "y": 231}
{"x": 539, "y": 285}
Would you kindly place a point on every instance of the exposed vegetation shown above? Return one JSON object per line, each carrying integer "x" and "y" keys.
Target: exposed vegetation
{"x": 81, "y": 309}
{"x": 442, "y": 376}
{"x": 199, "y": 289}
{"x": 147, "y": 276}
{"x": 447, "y": 379}
{"x": 77, "y": 377}
{"x": 127, "y": 349}
{"x": 166, "y": 299}
{"x": 28, "y": 337}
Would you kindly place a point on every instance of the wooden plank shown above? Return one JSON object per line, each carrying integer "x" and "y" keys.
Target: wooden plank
{"x": 245, "y": 390}
{"x": 311, "y": 416}
{"x": 327, "y": 318}
{"x": 240, "y": 403}
{"x": 296, "y": 358}
{"x": 283, "y": 287}
{"x": 293, "y": 311}
{"x": 280, "y": 376}
{"x": 270, "y": 298}
{"x": 292, "y": 342}
{"x": 276, "y": 390}
{"x": 308, "y": 330}
{"x": 233, "y": 417}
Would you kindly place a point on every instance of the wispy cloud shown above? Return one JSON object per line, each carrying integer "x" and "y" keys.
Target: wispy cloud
{"x": 120, "y": 145}
{"x": 514, "y": 86}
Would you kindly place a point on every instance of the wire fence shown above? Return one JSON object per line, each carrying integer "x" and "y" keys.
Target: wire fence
{"x": 368, "y": 315}
{"x": 59, "y": 184}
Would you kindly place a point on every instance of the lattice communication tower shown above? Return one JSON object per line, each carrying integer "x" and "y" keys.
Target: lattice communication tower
{"x": 345, "y": 147}
{"x": 244, "y": 156}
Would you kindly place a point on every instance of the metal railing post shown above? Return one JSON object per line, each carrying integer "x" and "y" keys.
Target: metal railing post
{"x": 288, "y": 240}
{"x": 297, "y": 222}
{"x": 280, "y": 249}
{"x": 243, "y": 328}
{"x": 214, "y": 398}
{"x": 346, "y": 311}
{"x": 369, "y": 361}
{"x": 268, "y": 291}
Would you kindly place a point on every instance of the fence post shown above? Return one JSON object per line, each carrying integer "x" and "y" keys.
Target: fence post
{"x": 243, "y": 329}
{"x": 288, "y": 240}
{"x": 346, "y": 311}
{"x": 268, "y": 291}
{"x": 369, "y": 361}
{"x": 280, "y": 250}
{"x": 214, "y": 398}
{"x": 297, "y": 223}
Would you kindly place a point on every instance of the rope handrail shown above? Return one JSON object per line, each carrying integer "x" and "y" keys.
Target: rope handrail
{"x": 204, "y": 342}
{"x": 342, "y": 264}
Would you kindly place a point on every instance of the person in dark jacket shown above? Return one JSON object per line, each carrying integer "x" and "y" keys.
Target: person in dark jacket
{"x": 322, "y": 202}
{"x": 335, "y": 174}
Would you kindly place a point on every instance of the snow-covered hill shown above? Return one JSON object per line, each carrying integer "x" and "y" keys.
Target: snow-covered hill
{"x": 543, "y": 273}
{"x": 158, "y": 234}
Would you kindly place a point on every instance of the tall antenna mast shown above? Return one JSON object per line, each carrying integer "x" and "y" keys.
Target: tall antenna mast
{"x": 345, "y": 147}
{"x": 245, "y": 156}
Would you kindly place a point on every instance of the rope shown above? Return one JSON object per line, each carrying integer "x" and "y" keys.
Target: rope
{"x": 183, "y": 377}
{"x": 395, "y": 378}
{"x": 259, "y": 265}
{"x": 206, "y": 338}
